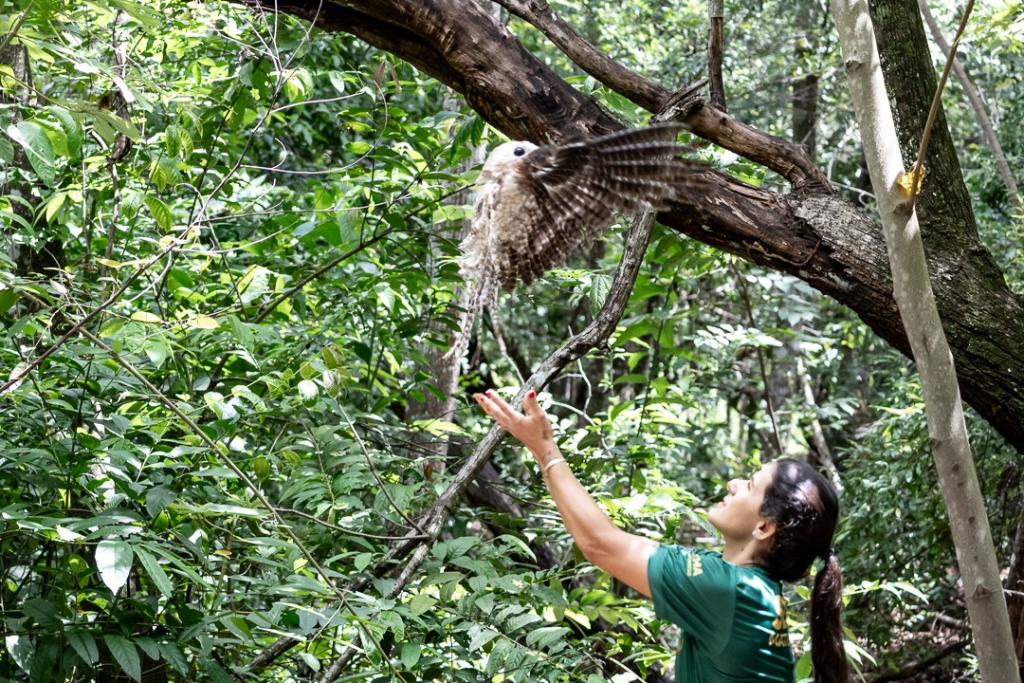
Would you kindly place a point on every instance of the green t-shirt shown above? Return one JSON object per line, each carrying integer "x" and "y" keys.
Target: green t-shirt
{"x": 733, "y": 618}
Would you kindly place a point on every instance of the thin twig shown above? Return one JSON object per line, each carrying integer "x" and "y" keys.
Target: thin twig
{"x": 16, "y": 27}
{"x": 594, "y": 335}
{"x": 376, "y": 477}
{"x": 934, "y": 109}
{"x": 760, "y": 359}
{"x": 330, "y": 525}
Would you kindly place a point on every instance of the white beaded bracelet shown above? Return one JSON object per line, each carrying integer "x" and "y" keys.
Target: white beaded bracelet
{"x": 544, "y": 470}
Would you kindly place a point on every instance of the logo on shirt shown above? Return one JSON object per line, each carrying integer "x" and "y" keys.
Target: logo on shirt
{"x": 694, "y": 566}
{"x": 780, "y": 638}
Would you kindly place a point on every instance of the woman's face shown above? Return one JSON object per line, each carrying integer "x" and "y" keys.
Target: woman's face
{"x": 739, "y": 513}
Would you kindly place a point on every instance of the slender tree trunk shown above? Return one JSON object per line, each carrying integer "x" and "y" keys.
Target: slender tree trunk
{"x": 980, "y": 112}
{"x": 716, "y": 48}
{"x": 819, "y": 445}
{"x": 804, "y": 98}
{"x": 916, "y": 302}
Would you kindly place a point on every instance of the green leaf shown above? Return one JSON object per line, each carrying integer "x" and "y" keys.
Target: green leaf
{"x": 38, "y": 149}
{"x": 221, "y": 408}
{"x": 157, "y": 349}
{"x": 337, "y": 79}
{"x": 170, "y": 653}
{"x": 485, "y": 603}
{"x": 156, "y": 572}
{"x": 125, "y": 655}
{"x": 599, "y": 286}
{"x": 203, "y": 322}
{"x": 519, "y": 544}
{"x": 312, "y": 662}
{"x": 219, "y": 510}
{"x": 43, "y": 611}
{"x": 478, "y": 637}
{"x": 146, "y": 317}
{"x": 21, "y": 650}
{"x": 298, "y": 84}
{"x": 253, "y": 284}
{"x": 803, "y": 666}
{"x": 421, "y": 603}
{"x": 8, "y": 297}
{"x": 546, "y": 636}
{"x": 410, "y": 654}
{"x": 122, "y": 126}
{"x": 114, "y": 562}
{"x": 53, "y": 206}
{"x": 160, "y": 212}
{"x": 163, "y": 172}
{"x": 157, "y": 498}
{"x": 438, "y": 427}
{"x": 72, "y": 130}
{"x": 392, "y": 621}
{"x": 84, "y": 644}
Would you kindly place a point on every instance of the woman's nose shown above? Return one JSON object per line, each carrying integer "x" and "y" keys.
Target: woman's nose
{"x": 731, "y": 486}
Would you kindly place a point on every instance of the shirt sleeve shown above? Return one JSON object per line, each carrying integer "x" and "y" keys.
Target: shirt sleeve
{"x": 695, "y": 590}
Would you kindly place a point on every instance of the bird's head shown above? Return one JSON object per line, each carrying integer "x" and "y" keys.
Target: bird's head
{"x": 503, "y": 157}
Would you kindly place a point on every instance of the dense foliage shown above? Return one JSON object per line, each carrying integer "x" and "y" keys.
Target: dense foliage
{"x": 255, "y": 293}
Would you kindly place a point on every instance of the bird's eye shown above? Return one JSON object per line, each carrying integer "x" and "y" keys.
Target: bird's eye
{"x": 519, "y": 151}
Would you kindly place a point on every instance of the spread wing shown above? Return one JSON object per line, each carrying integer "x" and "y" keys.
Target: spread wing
{"x": 578, "y": 187}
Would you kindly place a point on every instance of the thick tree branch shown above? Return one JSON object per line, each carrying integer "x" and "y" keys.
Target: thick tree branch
{"x": 710, "y": 122}
{"x": 821, "y": 239}
{"x": 539, "y": 14}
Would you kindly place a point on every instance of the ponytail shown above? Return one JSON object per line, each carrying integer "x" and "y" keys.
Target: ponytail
{"x": 805, "y": 509}
{"x": 827, "y": 653}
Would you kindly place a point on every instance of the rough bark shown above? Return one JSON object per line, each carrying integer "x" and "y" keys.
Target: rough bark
{"x": 947, "y": 429}
{"x": 819, "y": 238}
{"x": 957, "y": 258}
{"x": 988, "y": 131}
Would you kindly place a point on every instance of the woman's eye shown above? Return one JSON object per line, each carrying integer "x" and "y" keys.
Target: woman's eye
{"x": 750, "y": 484}
{"x": 519, "y": 151}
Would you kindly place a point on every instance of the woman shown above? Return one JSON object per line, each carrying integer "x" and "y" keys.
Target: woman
{"x": 729, "y": 605}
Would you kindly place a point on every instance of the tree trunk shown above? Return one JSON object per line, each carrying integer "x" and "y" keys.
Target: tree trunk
{"x": 819, "y": 238}
{"x": 947, "y": 430}
{"x": 716, "y": 46}
{"x": 805, "y": 85}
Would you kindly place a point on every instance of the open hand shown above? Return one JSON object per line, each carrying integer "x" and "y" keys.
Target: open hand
{"x": 531, "y": 427}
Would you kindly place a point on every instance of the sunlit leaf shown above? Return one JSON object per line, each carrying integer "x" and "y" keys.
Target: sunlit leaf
{"x": 114, "y": 562}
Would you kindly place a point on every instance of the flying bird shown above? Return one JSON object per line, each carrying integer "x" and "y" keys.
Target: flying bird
{"x": 536, "y": 204}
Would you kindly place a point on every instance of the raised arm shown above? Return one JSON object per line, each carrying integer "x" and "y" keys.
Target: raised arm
{"x": 621, "y": 554}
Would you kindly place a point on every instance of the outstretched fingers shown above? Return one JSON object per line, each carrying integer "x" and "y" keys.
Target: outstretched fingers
{"x": 530, "y": 405}
{"x": 497, "y": 408}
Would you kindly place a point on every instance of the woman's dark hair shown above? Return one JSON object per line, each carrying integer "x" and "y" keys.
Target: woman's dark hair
{"x": 805, "y": 508}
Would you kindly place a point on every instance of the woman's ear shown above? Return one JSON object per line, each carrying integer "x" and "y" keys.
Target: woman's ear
{"x": 764, "y": 530}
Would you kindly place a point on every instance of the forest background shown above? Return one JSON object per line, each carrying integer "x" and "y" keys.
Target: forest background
{"x": 232, "y": 448}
